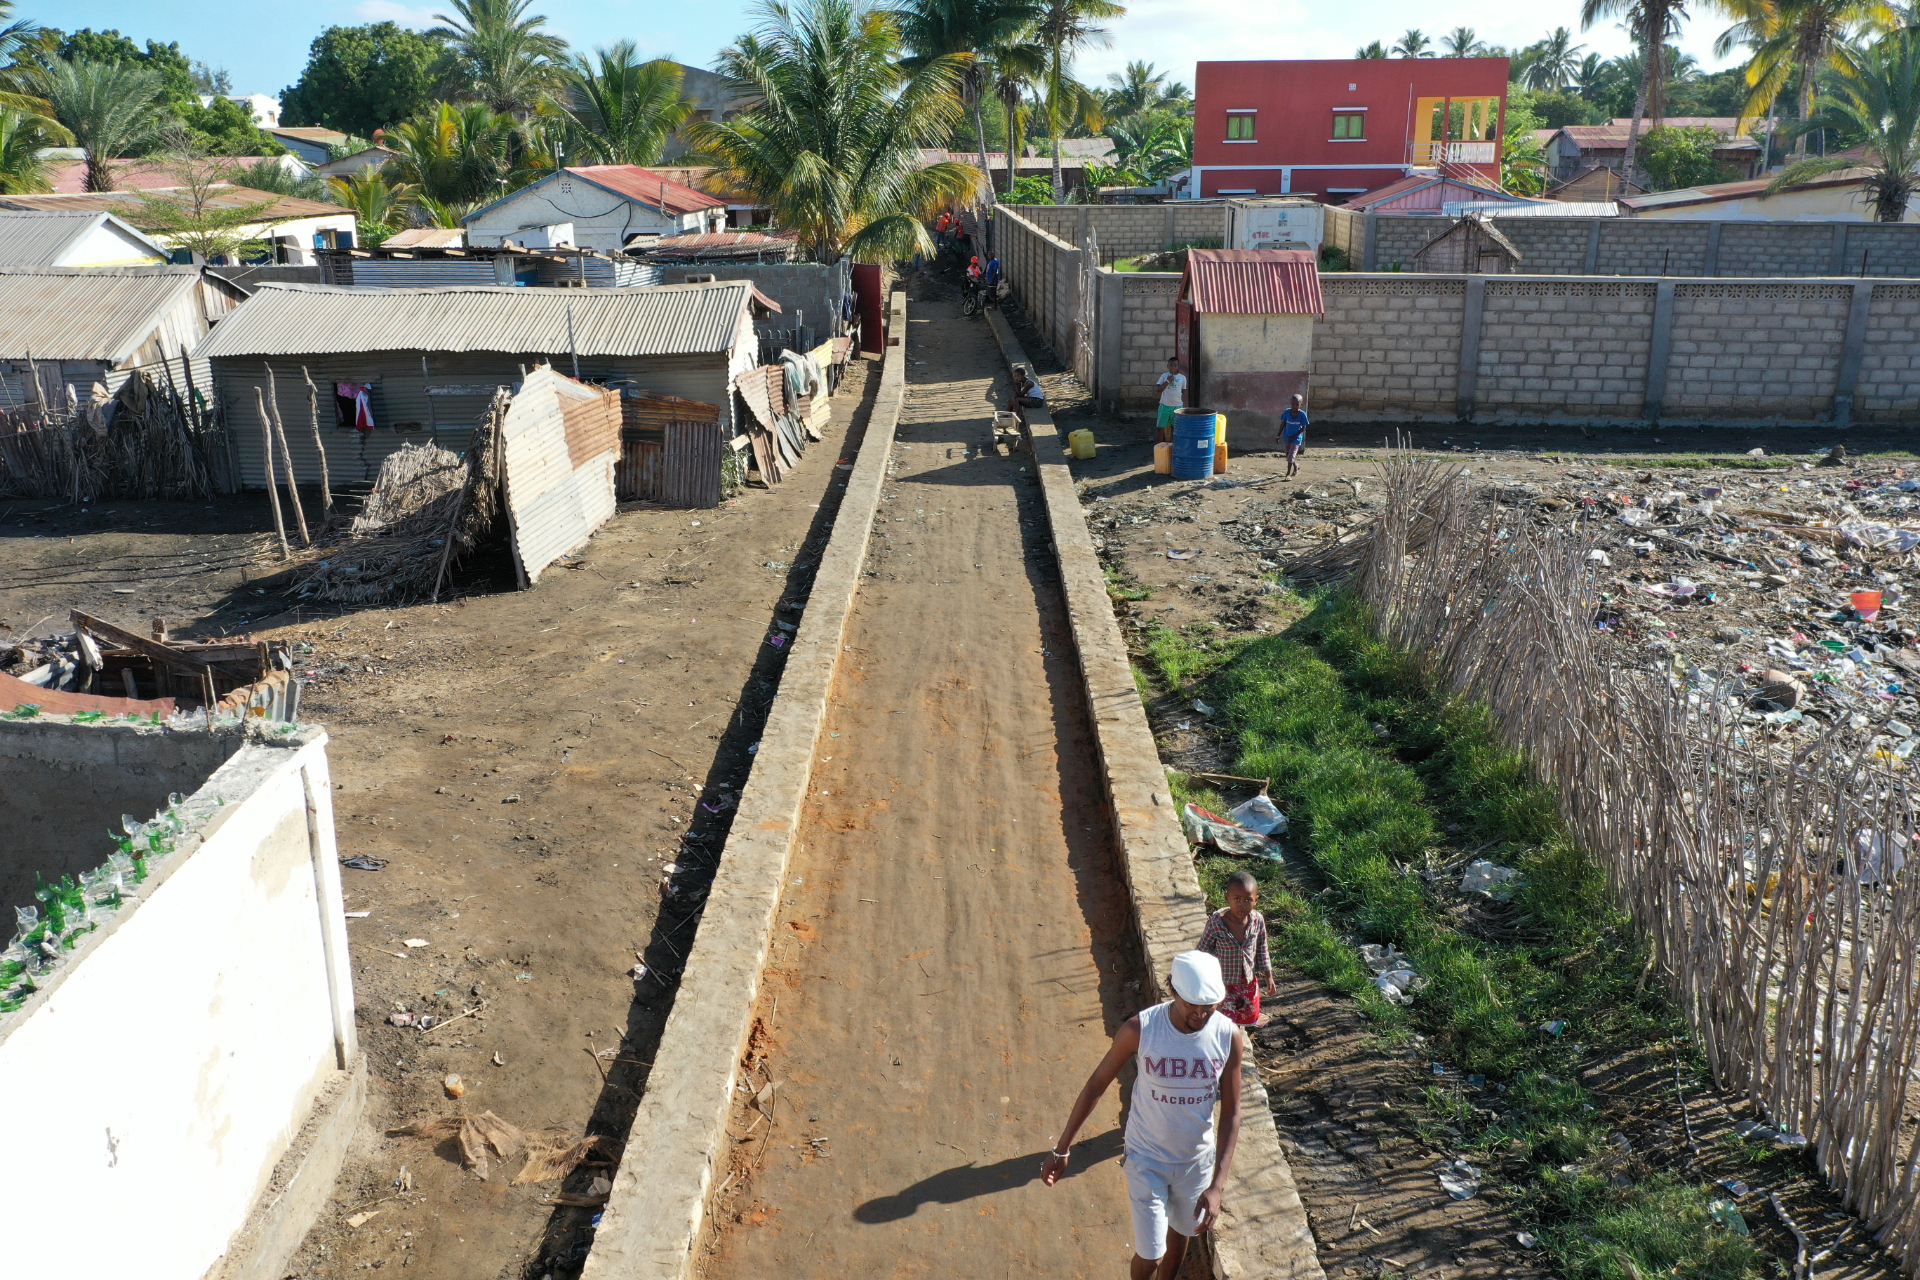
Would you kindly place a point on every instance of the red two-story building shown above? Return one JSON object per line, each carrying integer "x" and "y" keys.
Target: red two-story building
{"x": 1335, "y": 128}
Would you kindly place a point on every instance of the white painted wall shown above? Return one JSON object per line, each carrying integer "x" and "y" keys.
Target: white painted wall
{"x": 108, "y": 245}
{"x": 154, "y": 1083}
{"x": 1820, "y": 204}
{"x": 601, "y": 219}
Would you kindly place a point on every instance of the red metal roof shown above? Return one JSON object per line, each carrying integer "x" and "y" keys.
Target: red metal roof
{"x": 1253, "y": 282}
{"x": 646, "y": 185}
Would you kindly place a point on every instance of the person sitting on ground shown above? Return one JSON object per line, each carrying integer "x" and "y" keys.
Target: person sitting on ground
{"x": 1026, "y": 392}
{"x": 1173, "y": 395}
{"x": 1293, "y": 433}
{"x": 1177, "y": 1160}
{"x": 1236, "y": 936}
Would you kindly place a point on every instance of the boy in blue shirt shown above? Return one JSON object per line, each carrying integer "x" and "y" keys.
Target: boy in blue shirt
{"x": 1293, "y": 433}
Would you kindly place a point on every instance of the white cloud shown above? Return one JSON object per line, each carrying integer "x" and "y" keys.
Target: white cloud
{"x": 418, "y": 17}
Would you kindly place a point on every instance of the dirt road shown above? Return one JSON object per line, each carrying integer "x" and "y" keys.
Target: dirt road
{"x": 955, "y": 951}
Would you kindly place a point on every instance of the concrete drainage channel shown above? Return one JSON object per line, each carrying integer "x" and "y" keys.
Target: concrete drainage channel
{"x": 654, "y": 1216}
{"x": 1263, "y": 1231}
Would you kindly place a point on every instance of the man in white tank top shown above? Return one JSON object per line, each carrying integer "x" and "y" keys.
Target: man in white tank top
{"x": 1189, "y": 1059}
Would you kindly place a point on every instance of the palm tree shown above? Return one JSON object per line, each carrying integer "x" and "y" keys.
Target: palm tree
{"x": 1796, "y": 36}
{"x": 1140, "y": 88}
{"x": 19, "y": 34}
{"x": 967, "y": 30}
{"x": 1065, "y": 27}
{"x": 1879, "y": 95}
{"x": 455, "y": 153}
{"x": 270, "y": 174}
{"x": 501, "y": 55}
{"x": 1555, "y": 61}
{"x": 109, "y": 108}
{"x": 1013, "y": 68}
{"x": 1652, "y": 23}
{"x": 832, "y": 142}
{"x": 23, "y": 170}
{"x": 1462, "y": 42}
{"x": 1412, "y": 43}
{"x": 1591, "y": 79}
{"x": 376, "y": 202}
{"x": 624, "y": 108}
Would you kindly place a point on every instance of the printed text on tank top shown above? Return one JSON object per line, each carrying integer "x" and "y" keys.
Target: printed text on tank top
{"x": 1177, "y": 1086}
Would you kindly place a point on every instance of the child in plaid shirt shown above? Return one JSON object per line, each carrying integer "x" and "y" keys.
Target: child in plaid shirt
{"x": 1236, "y": 935}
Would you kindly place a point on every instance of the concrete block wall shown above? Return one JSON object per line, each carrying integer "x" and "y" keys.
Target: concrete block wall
{"x": 1542, "y": 346}
{"x": 1146, "y": 331}
{"x": 1125, "y": 230}
{"x": 1043, "y": 273}
{"x": 1776, "y": 248}
{"x": 1346, "y": 231}
{"x": 1671, "y": 247}
{"x": 1387, "y": 345}
{"x": 1756, "y": 350}
{"x": 1889, "y": 386}
{"x": 1564, "y": 348}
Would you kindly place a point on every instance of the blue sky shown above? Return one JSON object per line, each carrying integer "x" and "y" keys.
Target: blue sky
{"x": 265, "y": 49}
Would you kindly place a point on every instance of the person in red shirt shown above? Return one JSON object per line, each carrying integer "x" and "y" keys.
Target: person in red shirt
{"x": 942, "y": 229}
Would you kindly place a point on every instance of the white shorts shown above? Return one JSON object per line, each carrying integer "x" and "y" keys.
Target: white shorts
{"x": 1163, "y": 1196}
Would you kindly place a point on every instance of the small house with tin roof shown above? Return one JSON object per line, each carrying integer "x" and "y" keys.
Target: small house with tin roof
{"x": 1244, "y": 329}
{"x": 603, "y": 206}
{"x": 413, "y": 365}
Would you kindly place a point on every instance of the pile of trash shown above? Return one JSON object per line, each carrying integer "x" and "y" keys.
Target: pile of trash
{"x": 1394, "y": 976}
{"x": 1247, "y": 832}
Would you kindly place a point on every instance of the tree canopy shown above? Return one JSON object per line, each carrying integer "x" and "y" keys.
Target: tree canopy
{"x": 359, "y": 79}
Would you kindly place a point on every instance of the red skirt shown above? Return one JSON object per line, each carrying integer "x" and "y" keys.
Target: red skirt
{"x": 1243, "y": 1002}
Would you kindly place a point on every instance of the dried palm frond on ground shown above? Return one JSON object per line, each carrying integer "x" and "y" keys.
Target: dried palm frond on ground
{"x": 429, "y": 510}
{"x": 411, "y": 478}
{"x": 551, "y": 1153}
{"x": 1768, "y": 875}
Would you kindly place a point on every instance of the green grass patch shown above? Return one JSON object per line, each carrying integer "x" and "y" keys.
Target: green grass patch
{"x": 1120, "y": 587}
{"x": 1380, "y": 777}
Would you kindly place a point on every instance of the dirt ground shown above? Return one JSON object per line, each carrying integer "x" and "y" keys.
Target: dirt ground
{"x": 1341, "y": 1098}
{"x": 537, "y": 769}
{"x": 954, "y": 951}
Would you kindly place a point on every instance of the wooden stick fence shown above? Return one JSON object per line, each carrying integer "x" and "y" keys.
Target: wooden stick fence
{"x": 1766, "y": 875}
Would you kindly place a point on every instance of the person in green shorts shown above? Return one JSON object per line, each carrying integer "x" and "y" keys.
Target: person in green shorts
{"x": 1173, "y": 394}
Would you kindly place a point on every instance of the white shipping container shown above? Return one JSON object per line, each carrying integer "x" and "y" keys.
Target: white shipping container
{"x": 1275, "y": 224}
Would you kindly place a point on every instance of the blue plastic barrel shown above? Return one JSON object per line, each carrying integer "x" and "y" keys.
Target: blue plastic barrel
{"x": 1193, "y": 438}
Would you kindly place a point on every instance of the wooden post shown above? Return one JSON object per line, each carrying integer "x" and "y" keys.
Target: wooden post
{"x": 319, "y": 447}
{"x": 266, "y": 459}
{"x": 433, "y": 416}
{"x": 286, "y": 455}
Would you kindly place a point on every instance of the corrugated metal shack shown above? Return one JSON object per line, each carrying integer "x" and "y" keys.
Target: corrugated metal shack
{"x": 80, "y": 326}
{"x": 424, "y": 363}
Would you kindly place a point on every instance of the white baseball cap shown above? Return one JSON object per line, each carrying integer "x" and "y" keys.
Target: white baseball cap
{"x": 1196, "y": 976}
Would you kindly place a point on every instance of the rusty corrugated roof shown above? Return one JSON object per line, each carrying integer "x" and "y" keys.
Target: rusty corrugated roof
{"x": 1253, "y": 282}
{"x": 313, "y": 319}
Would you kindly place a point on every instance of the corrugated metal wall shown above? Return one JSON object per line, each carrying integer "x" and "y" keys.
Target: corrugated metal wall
{"x": 692, "y": 465}
{"x": 399, "y": 273}
{"x": 400, "y": 402}
{"x": 555, "y": 502}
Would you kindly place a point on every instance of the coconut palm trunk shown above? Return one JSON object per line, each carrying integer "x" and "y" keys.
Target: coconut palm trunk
{"x": 980, "y": 136}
